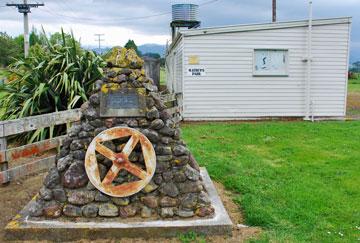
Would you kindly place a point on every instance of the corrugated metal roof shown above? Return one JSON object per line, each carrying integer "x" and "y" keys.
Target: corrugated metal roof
{"x": 263, "y": 26}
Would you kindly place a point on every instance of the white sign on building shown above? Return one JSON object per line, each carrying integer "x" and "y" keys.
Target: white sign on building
{"x": 196, "y": 71}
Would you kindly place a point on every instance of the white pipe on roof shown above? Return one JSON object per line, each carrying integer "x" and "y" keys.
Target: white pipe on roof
{"x": 308, "y": 102}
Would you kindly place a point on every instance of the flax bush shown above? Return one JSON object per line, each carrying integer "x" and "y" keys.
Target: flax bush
{"x": 55, "y": 77}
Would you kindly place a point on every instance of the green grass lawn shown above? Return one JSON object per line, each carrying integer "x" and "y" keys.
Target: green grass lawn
{"x": 162, "y": 76}
{"x": 353, "y": 99}
{"x": 299, "y": 181}
{"x": 354, "y": 85}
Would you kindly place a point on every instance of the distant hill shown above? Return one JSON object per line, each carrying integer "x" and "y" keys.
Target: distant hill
{"x": 146, "y": 48}
{"x": 154, "y": 48}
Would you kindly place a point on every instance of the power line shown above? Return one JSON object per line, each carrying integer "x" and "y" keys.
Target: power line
{"x": 122, "y": 18}
{"x": 25, "y": 9}
{"x": 99, "y": 40}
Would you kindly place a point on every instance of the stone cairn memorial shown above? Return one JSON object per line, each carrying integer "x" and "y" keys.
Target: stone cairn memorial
{"x": 125, "y": 157}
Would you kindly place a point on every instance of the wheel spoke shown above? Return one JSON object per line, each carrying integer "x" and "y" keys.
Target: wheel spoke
{"x": 135, "y": 170}
{"x": 108, "y": 153}
{"x": 130, "y": 145}
{"x": 111, "y": 175}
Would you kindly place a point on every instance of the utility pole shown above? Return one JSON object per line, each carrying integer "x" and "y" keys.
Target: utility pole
{"x": 25, "y": 8}
{"x": 99, "y": 40}
{"x": 273, "y": 10}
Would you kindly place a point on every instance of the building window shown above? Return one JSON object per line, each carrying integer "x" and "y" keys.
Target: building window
{"x": 270, "y": 62}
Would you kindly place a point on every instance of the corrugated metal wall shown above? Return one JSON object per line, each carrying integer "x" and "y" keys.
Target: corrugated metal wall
{"x": 230, "y": 91}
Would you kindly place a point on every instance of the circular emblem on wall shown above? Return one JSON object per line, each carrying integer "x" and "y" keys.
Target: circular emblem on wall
{"x": 126, "y": 141}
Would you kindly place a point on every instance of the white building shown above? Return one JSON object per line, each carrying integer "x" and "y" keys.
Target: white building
{"x": 261, "y": 70}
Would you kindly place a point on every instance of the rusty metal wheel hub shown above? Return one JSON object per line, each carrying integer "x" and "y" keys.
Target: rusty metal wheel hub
{"x": 120, "y": 161}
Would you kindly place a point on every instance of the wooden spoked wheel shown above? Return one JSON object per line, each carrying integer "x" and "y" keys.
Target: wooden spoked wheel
{"x": 120, "y": 161}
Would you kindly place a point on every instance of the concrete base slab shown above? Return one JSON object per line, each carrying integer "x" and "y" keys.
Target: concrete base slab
{"x": 24, "y": 227}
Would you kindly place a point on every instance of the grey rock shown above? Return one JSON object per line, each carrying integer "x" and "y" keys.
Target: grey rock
{"x": 167, "y": 212}
{"x": 121, "y": 201}
{"x": 94, "y": 99}
{"x": 190, "y": 186}
{"x": 169, "y": 202}
{"x": 205, "y": 211}
{"x": 158, "y": 179}
{"x": 106, "y": 162}
{"x": 150, "y": 187}
{"x": 90, "y": 210}
{"x": 181, "y": 160}
{"x": 108, "y": 210}
{"x": 163, "y": 150}
{"x": 191, "y": 173}
{"x": 189, "y": 201}
{"x": 150, "y": 87}
{"x": 63, "y": 152}
{"x": 45, "y": 194}
{"x": 179, "y": 176}
{"x": 167, "y": 131}
{"x": 127, "y": 211}
{"x": 59, "y": 195}
{"x": 78, "y": 154}
{"x": 97, "y": 123}
{"x": 193, "y": 163}
{"x": 75, "y": 176}
{"x": 152, "y": 135}
{"x": 157, "y": 124}
{"x": 52, "y": 179}
{"x": 150, "y": 102}
{"x": 90, "y": 186}
{"x": 120, "y": 79}
{"x": 80, "y": 197}
{"x": 165, "y": 140}
{"x": 162, "y": 167}
{"x": 169, "y": 189}
{"x": 103, "y": 171}
{"x": 71, "y": 210}
{"x": 74, "y": 130}
{"x": 100, "y": 197}
{"x": 66, "y": 142}
{"x": 180, "y": 150}
{"x": 185, "y": 213}
{"x": 98, "y": 84}
{"x": 203, "y": 199}
{"x": 84, "y": 134}
{"x": 36, "y": 208}
{"x": 143, "y": 123}
{"x": 177, "y": 134}
{"x": 164, "y": 115}
{"x": 64, "y": 162}
{"x": 146, "y": 212}
{"x": 170, "y": 123}
{"x": 167, "y": 175}
{"x": 150, "y": 201}
{"x": 164, "y": 158}
{"x": 99, "y": 130}
{"x": 132, "y": 123}
{"x": 153, "y": 113}
{"x": 87, "y": 127}
{"x": 76, "y": 145}
{"x": 52, "y": 209}
{"x": 110, "y": 145}
{"x": 90, "y": 113}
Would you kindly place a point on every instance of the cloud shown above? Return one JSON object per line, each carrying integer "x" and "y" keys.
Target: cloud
{"x": 148, "y": 21}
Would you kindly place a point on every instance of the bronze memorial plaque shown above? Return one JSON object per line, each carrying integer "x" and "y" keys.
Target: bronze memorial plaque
{"x": 122, "y": 102}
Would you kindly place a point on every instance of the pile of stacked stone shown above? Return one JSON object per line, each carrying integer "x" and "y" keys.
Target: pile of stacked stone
{"x": 176, "y": 189}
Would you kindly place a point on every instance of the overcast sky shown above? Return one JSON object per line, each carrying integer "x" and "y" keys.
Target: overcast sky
{"x": 147, "y": 21}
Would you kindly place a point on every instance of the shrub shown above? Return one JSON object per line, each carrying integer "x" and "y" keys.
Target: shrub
{"x": 54, "y": 77}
